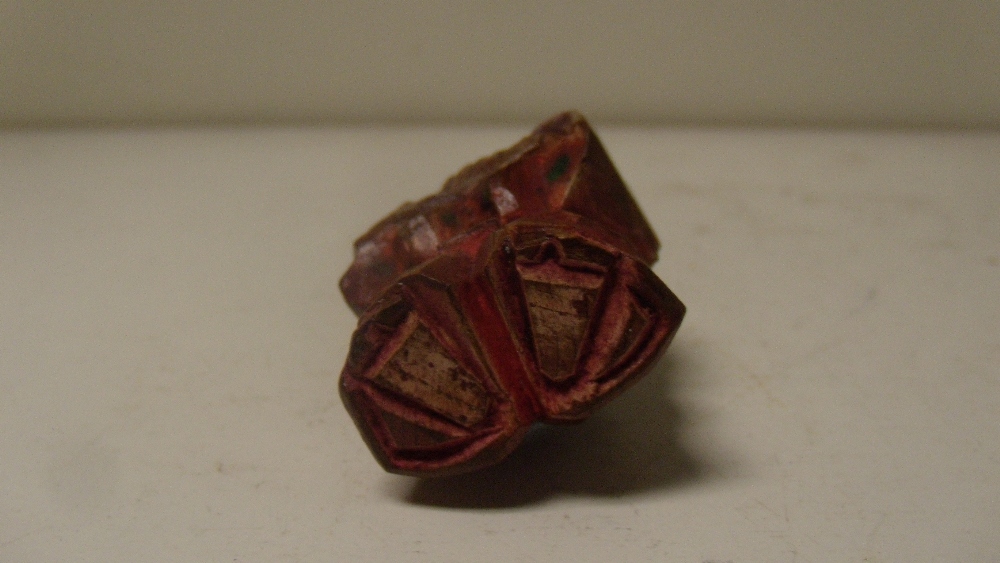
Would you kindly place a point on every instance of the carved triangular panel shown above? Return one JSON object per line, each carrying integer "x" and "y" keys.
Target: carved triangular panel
{"x": 406, "y": 435}
{"x": 638, "y": 320}
{"x": 560, "y": 315}
{"x": 423, "y": 371}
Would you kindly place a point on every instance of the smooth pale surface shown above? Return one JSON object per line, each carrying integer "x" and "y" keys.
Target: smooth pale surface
{"x": 641, "y": 61}
{"x": 173, "y": 333}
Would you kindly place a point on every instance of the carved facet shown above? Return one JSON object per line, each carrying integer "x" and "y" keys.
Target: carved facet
{"x": 424, "y": 372}
{"x": 637, "y": 321}
{"x": 406, "y": 435}
{"x": 560, "y": 312}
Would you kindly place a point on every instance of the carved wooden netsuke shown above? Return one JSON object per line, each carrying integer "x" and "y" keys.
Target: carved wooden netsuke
{"x": 520, "y": 293}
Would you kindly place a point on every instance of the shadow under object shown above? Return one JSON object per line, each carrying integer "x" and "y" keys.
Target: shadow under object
{"x": 520, "y": 293}
{"x": 633, "y": 446}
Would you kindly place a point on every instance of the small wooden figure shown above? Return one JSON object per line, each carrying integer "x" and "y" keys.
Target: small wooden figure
{"x": 520, "y": 293}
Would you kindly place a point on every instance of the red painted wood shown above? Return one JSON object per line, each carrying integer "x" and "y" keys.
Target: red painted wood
{"x": 520, "y": 293}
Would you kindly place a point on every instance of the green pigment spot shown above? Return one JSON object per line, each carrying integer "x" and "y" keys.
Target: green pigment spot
{"x": 559, "y": 167}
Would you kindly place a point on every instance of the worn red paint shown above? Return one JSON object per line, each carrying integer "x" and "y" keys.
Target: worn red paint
{"x": 520, "y": 293}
